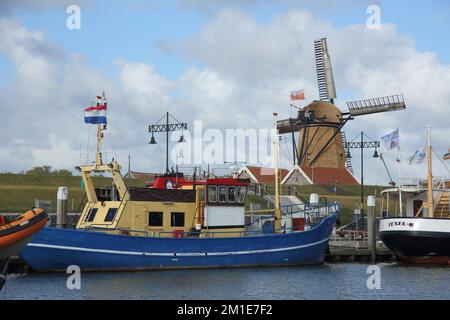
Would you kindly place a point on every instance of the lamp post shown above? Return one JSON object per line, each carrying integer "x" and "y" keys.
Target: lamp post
{"x": 362, "y": 145}
{"x": 167, "y": 127}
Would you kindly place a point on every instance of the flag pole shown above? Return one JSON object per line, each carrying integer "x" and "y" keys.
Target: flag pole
{"x": 100, "y": 127}
{"x": 98, "y": 158}
{"x": 277, "y": 186}
{"x": 399, "y": 178}
{"x": 430, "y": 175}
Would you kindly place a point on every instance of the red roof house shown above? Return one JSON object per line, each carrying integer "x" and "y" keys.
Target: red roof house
{"x": 330, "y": 176}
{"x": 261, "y": 174}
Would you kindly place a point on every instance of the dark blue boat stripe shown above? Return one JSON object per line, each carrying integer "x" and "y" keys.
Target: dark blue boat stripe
{"x": 185, "y": 254}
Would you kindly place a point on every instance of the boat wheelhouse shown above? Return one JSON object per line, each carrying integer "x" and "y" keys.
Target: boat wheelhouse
{"x": 171, "y": 207}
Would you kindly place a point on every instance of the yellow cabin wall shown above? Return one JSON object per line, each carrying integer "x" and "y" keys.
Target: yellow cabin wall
{"x": 133, "y": 216}
{"x": 103, "y": 208}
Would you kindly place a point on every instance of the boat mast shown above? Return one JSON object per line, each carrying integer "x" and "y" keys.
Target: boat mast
{"x": 400, "y": 200}
{"x": 430, "y": 175}
{"x": 277, "y": 186}
{"x": 100, "y": 128}
{"x": 113, "y": 168}
{"x": 98, "y": 156}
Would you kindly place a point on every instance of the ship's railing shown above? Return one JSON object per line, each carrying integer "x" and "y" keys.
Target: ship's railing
{"x": 188, "y": 234}
{"x": 289, "y": 209}
{"x": 123, "y": 231}
{"x": 313, "y": 213}
{"x": 318, "y": 209}
{"x": 439, "y": 183}
{"x": 213, "y": 234}
{"x": 166, "y": 234}
{"x": 89, "y": 158}
{"x": 205, "y": 234}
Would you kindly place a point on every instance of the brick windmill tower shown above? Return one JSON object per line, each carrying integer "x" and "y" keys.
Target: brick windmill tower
{"x": 320, "y": 150}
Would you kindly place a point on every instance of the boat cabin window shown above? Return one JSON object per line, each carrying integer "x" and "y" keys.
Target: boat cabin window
{"x": 111, "y": 214}
{"x": 231, "y": 194}
{"x": 212, "y": 193}
{"x": 241, "y": 191}
{"x": 227, "y": 194}
{"x": 222, "y": 194}
{"x": 177, "y": 219}
{"x": 91, "y": 215}
{"x": 155, "y": 219}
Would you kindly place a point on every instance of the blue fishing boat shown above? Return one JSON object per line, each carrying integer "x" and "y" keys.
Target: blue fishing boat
{"x": 178, "y": 223}
{"x": 56, "y": 249}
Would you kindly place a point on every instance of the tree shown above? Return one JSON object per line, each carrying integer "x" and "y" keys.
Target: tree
{"x": 62, "y": 172}
{"x": 47, "y": 171}
{"x": 43, "y": 170}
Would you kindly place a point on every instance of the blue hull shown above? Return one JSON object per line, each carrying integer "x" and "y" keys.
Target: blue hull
{"x": 55, "y": 249}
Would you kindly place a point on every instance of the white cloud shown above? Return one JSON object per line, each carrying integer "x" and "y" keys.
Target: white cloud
{"x": 246, "y": 72}
{"x": 237, "y": 47}
{"x": 43, "y": 104}
{"x": 146, "y": 89}
{"x": 262, "y": 62}
{"x": 59, "y": 152}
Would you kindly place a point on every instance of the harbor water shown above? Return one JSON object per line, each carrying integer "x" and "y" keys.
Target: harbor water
{"x": 327, "y": 281}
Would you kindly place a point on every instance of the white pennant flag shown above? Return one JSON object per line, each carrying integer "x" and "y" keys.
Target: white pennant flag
{"x": 418, "y": 156}
{"x": 391, "y": 140}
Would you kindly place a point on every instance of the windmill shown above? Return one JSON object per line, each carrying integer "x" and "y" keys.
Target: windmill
{"x": 321, "y": 148}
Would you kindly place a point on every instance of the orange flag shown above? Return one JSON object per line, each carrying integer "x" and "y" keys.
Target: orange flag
{"x": 298, "y": 95}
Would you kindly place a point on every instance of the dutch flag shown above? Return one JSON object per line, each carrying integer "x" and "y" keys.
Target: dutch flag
{"x": 95, "y": 115}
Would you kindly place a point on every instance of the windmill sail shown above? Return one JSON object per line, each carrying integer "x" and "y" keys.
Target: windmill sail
{"x": 376, "y": 105}
{"x": 325, "y": 80}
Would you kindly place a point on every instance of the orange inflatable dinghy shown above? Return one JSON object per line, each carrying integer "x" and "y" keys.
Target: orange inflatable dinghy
{"x": 14, "y": 235}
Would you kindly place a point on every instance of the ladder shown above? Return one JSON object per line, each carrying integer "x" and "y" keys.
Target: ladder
{"x": 348, "y": 162}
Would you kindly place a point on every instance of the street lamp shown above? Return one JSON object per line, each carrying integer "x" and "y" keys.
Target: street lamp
{"x": 362, "y": 145}
{"x": 375, "y": 154}
{"x": 152, "y": 140}
{"x": 181, "y": 140}
{"x": 167, "y": 127}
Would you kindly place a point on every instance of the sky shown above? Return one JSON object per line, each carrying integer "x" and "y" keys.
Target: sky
{"x": 229, "y": 64}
